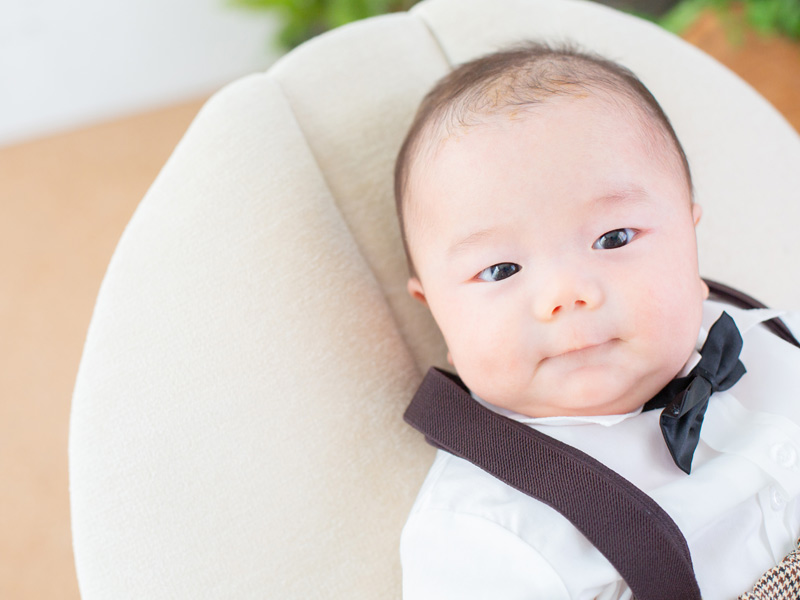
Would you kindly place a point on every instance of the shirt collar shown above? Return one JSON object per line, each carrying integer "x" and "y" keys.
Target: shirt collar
{"x": 604, "y": 420}
{"x": 745, "y": 318}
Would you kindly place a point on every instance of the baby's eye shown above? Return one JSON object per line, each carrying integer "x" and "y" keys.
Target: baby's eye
{"x": 614, "y": 239}
{"x": 498, "y": 272}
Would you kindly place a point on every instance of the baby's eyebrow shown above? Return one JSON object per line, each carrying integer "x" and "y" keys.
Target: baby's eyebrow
{"x": 627, "y": 194}
{"x": 471, "y": 240}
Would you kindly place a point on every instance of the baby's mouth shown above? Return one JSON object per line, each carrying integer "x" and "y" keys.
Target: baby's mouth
{"x": 586, "y": 352}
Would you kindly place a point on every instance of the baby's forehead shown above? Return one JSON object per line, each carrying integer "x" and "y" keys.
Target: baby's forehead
{"x": 450, "y": 125}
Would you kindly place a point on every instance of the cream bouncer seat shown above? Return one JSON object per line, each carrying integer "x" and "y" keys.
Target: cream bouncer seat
{"x": 237, "y": 421}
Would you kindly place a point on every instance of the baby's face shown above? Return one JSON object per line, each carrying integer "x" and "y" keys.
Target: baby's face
{"x": 557, "y": 253}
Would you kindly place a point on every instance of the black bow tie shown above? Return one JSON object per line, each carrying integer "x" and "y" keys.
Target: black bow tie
{"x": 685, "y": 399}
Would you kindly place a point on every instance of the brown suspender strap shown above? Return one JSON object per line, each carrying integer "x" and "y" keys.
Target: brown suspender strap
{"x": 624, "y": 524}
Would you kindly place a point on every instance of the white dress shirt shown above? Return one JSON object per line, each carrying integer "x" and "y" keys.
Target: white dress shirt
{"x": 470, "y": 536}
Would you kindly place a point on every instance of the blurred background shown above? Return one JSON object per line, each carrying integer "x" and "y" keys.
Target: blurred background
{"x": 94, "y": 95}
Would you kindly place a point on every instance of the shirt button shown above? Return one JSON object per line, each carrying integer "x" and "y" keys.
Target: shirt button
{"x": 785, "y": 455}
{"x": 776, "y": 499}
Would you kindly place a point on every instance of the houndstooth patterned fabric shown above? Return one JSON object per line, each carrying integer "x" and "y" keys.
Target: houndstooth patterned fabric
{"x": 781, "y": 582}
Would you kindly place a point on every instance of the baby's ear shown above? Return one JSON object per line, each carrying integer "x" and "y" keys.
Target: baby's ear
{"x": 414, "y": 287}
{"x": 697, "y": 212}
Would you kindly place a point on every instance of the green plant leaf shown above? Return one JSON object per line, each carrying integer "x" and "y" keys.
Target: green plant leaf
{"x": 762, "y": 16}
{"x": 378, "y": 7}
{"x": 341, "y": 12}
{"x": 775, "y": 16}
{"x": 768, "y": 17}
{"x": 682, "y": 15}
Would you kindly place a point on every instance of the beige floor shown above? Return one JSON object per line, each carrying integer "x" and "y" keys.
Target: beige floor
{"x": 63, "y": 204}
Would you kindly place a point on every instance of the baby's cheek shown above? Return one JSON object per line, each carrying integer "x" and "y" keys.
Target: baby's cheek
{"x": 486, "y": 368}
{"x": 670, "y": 329}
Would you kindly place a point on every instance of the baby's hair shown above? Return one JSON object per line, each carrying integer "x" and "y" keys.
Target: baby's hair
{"x": 516, "y": 78}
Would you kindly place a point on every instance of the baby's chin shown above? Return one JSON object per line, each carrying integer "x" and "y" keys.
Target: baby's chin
{"x": 583, "y": 394}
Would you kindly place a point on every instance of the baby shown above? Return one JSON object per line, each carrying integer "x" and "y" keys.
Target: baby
{"x": 547, "y": 212}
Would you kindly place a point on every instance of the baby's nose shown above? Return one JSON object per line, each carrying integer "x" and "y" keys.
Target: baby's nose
{"x": 563, "y": 293}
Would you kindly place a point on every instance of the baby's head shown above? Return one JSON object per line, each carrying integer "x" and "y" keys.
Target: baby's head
{"x": 547, "y": 213}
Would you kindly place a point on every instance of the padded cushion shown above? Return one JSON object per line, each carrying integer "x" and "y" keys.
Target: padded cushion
{"x": 237, "y": 418}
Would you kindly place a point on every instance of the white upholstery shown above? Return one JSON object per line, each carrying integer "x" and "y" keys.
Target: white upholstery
{"x": 237, "y": 419}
